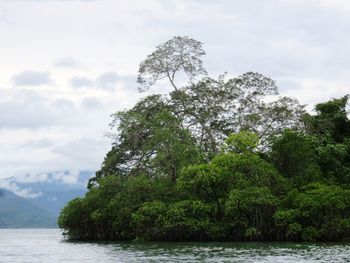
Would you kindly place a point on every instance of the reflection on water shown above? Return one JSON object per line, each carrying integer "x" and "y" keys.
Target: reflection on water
{"x": 47, "y": 245}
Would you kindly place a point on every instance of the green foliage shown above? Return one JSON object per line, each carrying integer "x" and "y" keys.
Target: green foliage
{"x": 150, "y": 140}
{"x": 215, "y": 161}
{"x": 241, "y": 193}
{"x": 216, "y": 108}
{"x": 71, "y": 218}
{"x": 243, "y": 142}
{"x": 183, "y": 220}
{"x": 331, "y": 120}
{"x": 317, "y": 212}
{"x": 331, "y": 127}
{"x": 294, "y": 155}
{"x": 251, "y": 209}
{"x": 213, "y": 181}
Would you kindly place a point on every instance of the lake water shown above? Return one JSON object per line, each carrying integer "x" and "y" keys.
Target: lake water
{"x": 47, "y": 245}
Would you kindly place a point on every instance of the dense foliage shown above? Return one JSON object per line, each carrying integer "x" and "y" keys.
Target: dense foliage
{"x": 218, "y": 160}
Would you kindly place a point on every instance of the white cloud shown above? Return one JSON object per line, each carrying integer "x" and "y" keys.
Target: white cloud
{"x": 32, "y": 78}
{"x": 67, "y": 62}
{"x": 92, "y": 103}
{"x": 37, "y": 143}
{"x": 25, "y": 109}
{"x": 107, "y": 80}
{"x": 13, "y": 187}
{"x": 81, "y": 82}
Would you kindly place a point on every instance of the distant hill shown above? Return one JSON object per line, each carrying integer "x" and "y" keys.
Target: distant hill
{"x": 19, "y": 212}
{"x": 54, "y": 192}
{"x": 39, "y": 198}
{"x": 54, "y": 201}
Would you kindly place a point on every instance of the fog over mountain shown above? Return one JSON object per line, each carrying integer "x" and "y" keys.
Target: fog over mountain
{"x": 19, "y": 212}
{"x": 36, "y": 200}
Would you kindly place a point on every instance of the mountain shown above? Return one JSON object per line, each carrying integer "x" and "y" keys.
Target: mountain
{"x": 45, "y": 194}
{"x": 54, "y": 201}
{"x": 19, "y": 212}
{"x": 56, "y": 190}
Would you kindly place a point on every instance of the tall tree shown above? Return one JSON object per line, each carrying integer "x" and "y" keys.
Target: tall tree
{"x": 331, "y": 119}
{"x": 150, "y": 140}
{"x": 331, "y": 127}
{"x": 175, "y": 55}
{"x": 213, "y": 109}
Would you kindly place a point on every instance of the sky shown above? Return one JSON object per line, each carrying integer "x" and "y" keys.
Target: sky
{"x": 67, "y": 65}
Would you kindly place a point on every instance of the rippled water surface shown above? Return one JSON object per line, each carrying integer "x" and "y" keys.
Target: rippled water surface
{"x": 47, "y": 245}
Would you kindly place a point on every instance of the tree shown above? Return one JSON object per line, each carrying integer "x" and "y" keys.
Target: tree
{"x": 331, "y": 127}
{"x": 150, "y": 140}
{"x": 331, "y": 120}
{"x": 175, "y": 55}
{"x": 315, "y": 213}
{"x": 250, "y": 210}
{"x": 71, "y": 219}
{"x": 213, "y": 109}
{"x": 218, "y": 159}
{"x": 294, "y": 155}
{"x": 242, "y": 143}
{"x": 213, "y": 181}
{"x": 179, "y": 221}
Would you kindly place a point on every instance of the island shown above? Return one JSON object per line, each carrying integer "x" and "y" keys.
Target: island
{"x": 217, "y": 159}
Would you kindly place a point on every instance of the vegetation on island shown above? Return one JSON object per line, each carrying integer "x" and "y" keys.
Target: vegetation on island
{"x": 218, "y": 160}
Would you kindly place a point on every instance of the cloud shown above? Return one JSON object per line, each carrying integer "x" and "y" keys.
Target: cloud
{"x": 30, "y": 110}
{"x": 81, "y": 82}
{"x": 67, "y": 62}
{"x": 31, "y": 185}
{"x": 33, "y": 78}
{"x": 84, "y": 152}
{"x": 31, "y": 177}
{"x": 64, "y": 104}
{"x": 91, "y": 103}
{"x": 38, "y": 143}
{"x": 107, "y": 80}
{"x": 25, "y": 109}
{"x": 51, "y": 0}
{"x": 10, "y": 185}
{"x": 66, "y": 177}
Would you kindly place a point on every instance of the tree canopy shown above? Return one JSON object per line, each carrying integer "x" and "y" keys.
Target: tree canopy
{"x": 217, "y": 159}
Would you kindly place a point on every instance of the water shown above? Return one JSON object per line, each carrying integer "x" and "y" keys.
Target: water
{"x": 47, "y": 245}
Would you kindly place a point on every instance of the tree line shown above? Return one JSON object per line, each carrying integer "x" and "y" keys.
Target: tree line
{"x": 217, "y": 160}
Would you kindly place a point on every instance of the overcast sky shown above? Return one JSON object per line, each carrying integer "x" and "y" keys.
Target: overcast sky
{"x": 66, "y": 65}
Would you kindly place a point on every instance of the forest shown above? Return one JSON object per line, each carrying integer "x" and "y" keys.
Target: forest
{"x": 217, "y": 159}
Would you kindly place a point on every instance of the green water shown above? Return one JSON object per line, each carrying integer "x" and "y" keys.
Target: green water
{"x": 47, "y": 245}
